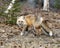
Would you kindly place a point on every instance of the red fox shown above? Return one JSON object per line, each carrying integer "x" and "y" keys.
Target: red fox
{"x": 37, "y": 22}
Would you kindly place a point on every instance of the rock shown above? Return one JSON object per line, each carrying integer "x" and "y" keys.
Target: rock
{"x": 2, "y": 30}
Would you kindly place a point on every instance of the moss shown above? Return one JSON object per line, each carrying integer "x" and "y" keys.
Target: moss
{"x": 57, "y": 4}
{"x": 13, "y": 13}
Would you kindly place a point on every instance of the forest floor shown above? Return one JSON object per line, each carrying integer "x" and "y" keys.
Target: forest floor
{"x": 10, "y": 34}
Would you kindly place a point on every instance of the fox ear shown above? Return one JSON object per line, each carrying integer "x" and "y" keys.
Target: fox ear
{"x": 17, "y": 17}
{"x": 24, "y": 17}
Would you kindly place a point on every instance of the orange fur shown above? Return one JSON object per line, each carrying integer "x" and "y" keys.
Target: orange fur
{"x": 30, "y": 20}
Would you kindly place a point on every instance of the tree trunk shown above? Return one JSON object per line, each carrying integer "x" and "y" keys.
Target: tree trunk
{"x": 31, "y": 3}
{"x": 10, "y": 6}
{"x": 46, "y": 5}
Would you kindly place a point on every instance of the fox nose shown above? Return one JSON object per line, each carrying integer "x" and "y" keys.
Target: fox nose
{"x": 20, "y": 25}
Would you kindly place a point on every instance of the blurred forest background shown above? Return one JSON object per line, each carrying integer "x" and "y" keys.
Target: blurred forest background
{"x": 19, "y": 6}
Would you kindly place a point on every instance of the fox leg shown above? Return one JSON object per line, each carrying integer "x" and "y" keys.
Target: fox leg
{"x": 23, "y": 30}
{"x": 46, "y": 29}
{"x": 37, "y": 31}
{"x": 34, "y": 30}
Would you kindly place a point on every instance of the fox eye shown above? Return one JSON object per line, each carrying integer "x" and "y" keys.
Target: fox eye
{"x": 18, "y": 21}
{"x": 21, "y": 21}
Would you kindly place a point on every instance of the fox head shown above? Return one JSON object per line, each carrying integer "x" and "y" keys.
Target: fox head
{"x": 21, "y": 21}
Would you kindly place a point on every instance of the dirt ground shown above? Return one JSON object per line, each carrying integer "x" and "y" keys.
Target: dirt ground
{"x": 10, "y": 38}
